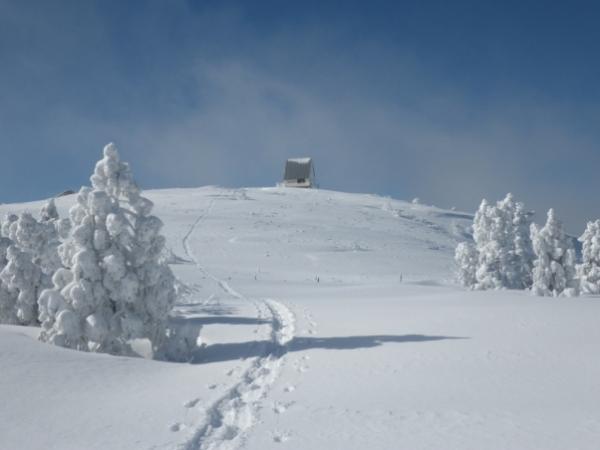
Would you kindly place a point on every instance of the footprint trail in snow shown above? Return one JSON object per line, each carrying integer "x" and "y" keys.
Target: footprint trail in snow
{"x": 229, "y": 419}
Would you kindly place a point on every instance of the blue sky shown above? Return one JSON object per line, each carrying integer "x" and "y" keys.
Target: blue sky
{"x": 446, "y": 101}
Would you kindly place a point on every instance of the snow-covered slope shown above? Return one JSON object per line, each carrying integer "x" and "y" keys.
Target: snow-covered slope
{"x": 329, "y": 321}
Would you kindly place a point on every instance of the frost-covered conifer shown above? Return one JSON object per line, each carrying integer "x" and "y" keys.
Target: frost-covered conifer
{"x": 30, "y": 256}
{"x": 8, "y": 297}
{"x": 589, "y": 270}
{"x": 466, "y": 257}
{"x": 40, "y": 241}
{"x": 49, "y": 211}
{"x": 554, "y": 267}
{"x": 7, "y": 223}
{"x": 22, "y": 277}
{"x": 490, "y": 234}
{"x": 522, "y": 256}
{"x": 482, "y": 225}
{"x": 63, "y": 228}
{"x": 502, "y": 249}
{"x": 116, "y": 289}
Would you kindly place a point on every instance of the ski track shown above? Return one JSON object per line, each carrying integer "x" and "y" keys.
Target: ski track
{"x": 229, "y": 419}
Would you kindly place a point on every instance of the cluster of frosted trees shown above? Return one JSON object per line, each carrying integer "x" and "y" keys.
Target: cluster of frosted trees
{"x": 509, "y": 251}
{"x": 28, "y": 258}
{"x": 94, "y": 281}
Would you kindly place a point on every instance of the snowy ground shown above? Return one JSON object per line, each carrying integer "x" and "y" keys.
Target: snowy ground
{"x": 329, "y": 321}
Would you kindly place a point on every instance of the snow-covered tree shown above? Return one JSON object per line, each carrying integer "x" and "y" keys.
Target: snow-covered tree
{"x": 31, "y": 259}
{"x": 49, "y": 211}
{"x": 502, "y": 255}
{"x": 182, "y": 340}
{"x": 490, "y": 236}
{"x": 554, "y": 266}
{"x": 63, "y": 228}
{"x": 28, "y": 259}
{"x": 22, "y": 278}
{"x": 8, "y": 297}
{"x": 466, "y": 257}
{"x": 589, "y": 269}
{"x": 116, "y": 288}
{"x": 39, "y": 240}
{"x": 7, "y": 223}
{"x": 522, "y": 252}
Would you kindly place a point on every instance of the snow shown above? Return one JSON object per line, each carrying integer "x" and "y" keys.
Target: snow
{"x": 304, "y": 160}
{"x": 327, "y": 321}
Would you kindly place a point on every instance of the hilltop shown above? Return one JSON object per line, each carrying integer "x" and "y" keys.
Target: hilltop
{"x": 328, "y": 320}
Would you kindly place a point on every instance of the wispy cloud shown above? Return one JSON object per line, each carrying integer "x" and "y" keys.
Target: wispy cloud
{"x": 213, "y": 95}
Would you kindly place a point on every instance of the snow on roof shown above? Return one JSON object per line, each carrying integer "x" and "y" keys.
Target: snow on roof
{"x": 300, "y": 160}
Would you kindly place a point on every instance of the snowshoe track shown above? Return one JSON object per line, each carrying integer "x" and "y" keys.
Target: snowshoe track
{"x": 229, "y": 419}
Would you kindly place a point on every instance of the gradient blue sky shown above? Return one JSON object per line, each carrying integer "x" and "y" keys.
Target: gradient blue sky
{"x": 447, "y": 101}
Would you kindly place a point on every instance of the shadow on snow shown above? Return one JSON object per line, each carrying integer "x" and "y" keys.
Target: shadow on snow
{"x": 212, "y": 320}
{"x": 242, "y": 350}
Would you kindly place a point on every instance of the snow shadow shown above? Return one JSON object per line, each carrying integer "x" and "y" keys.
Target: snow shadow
{"x": 215, "y": 309}
{"x": 219, "y": 319}
{"x": 456, "y": 215}
{"x": 241, "y": 350}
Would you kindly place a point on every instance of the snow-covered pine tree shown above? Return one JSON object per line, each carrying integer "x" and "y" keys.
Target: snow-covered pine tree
{"x": 30, "y": 258}
{"x": 491, "y": 232}
{"x": 7, "y": 223}
{"x": 502, "y": 247}
{"x": 589, "y": 269}
{"x": 505, "y": 231}
{"x": 466, "y": 257}
{"x": 40, "y": 241}
{"x": 554, "y": 266}
{"x": 486, "y": 273}
{"x": 63, "y": 228}
{"x": 116, "y": 289}
{"x": 49, "y": 211}
{"x": 522, "y": 256}
{"x": 22, "y": 278}
{"x": 8, "y": 297}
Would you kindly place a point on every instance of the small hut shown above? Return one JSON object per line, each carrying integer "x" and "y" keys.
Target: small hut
{"x": 299, "y": 172}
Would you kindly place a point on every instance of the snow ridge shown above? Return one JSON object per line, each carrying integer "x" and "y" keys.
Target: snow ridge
{"x": 232, "y": 416}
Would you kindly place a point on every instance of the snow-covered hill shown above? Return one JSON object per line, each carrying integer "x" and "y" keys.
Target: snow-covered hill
{"x": 329, "y": 321}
